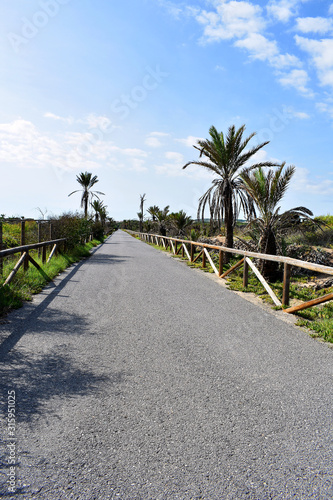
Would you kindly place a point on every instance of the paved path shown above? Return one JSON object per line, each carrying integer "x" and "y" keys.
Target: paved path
{"x": 137, "y": 377}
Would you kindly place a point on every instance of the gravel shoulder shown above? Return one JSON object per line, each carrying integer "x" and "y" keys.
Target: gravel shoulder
{"x": 136, "y": 377}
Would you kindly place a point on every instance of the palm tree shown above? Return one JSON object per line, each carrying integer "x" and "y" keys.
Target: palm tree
{"x": 153, "y": 211}
{"x": 140, "y": 214}
{"x": 181, "y": 221}
{"x": 267, "y": 188}
{"x": 87, "y": 181}
{"x": 226, "y": 157}
{"x": 162, "y": 216}
{"x": 100, "y": 210}
{"x": 96, "y": 205}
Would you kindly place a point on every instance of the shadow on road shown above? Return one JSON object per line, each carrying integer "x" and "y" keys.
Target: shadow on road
{"x": 102, "y": 258}
{"x": 18, "y": 327}
{"x": 39, "y": 379}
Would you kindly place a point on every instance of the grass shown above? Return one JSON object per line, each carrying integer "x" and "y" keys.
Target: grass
{"x": 26, "y": 284}
{"x": 318, "y": 319}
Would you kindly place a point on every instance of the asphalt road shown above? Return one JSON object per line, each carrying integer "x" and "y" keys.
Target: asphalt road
{"x": 136, "y": 377}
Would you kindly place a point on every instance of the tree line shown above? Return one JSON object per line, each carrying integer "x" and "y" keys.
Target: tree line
{"x": 241, "y": 185}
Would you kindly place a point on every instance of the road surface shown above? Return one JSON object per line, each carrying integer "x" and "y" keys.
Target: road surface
{"x": 138, "y": 378}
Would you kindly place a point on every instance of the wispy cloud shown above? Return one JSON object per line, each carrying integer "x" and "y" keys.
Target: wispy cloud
{"x": 23, "y": 144}
{"x": 68, "y": 119}
{"x": 304, "y": 181}
{"x": 189, "y": 141}
{"x": 321, "y": 56}
{"x": 314, "y": 24}
{"x": 297, "y": 78}
{"x": 231, "y": 20}
{"x": 284, "y": 10}
{"x": 245, "y": 24}
{"x": 153, "y": 139}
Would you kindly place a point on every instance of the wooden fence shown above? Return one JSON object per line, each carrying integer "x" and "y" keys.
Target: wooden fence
{"x": 187, "y": 248}
{"x": 26, "y": 258}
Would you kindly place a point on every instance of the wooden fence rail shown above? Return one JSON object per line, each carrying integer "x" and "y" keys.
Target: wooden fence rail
{"x": 25, "y": 257}
{"x": 188, "y": 247}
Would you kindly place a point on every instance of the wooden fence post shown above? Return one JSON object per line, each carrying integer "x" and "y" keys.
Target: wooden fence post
{"x": 26, "y": 261}
{"x": 192, "y": 252}
{"x": 44, "y": 254}
{"x": 22, "y": 233}
{"x": 286, "y": 284}
{"x": 220, "y": 263}
{"x": 51, "y": 230}
{"x": 203, "y": 257}
{"x": 245, "y": 274}
{"x": 39, "y": 230}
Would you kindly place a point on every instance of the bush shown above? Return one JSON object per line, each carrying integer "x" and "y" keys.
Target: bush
{"x": 73, "y": 226}
{"x": 98, "y": 231}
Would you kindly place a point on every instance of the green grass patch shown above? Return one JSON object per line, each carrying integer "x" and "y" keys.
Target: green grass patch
{"x": 26, "y": 284}
{"x": 318, "y": 319}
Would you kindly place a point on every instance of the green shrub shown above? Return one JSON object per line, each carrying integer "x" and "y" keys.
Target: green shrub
{"x": 73, "y": 226}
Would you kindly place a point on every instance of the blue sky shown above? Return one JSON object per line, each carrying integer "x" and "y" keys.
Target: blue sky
{"x": 125, "y": 89}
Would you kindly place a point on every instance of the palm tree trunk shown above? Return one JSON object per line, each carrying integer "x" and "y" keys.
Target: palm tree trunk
{"x": 269, "y": 269}
{"x": 229, "y": 223}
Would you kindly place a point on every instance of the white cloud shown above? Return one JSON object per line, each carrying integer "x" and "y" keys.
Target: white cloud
{"x": 23, "y": 144}
{"x": 314, "y": 24}
{"x": 282, "y": 10}
{"x": 297, "y": 78}
{"x": 92, "y": 121}
{"x": 153, "y": 139}
{"x": 321, "y": 53}
{"x": 189, "y": 141}
{"x": 68, "y": 119}
{"x": 159, "y": 134}
{"x": 171, "y": 8}
{"x": 96, "y": 121}
{"x": 325, "y": 107}
{"x": 259, "y": 47}
{"x": 244, "y": 23}
{"x": 153, "y": 142}
{"x": 292, "y": 113}
{"x": 138, "y": 165}
{"x": 174, "y": 167}
{"x": 303, "y": 181}
{"x": 177, "y": 157}
{"x": 231, "y": 19}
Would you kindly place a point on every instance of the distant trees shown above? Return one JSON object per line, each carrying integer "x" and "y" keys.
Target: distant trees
{"x": 86, "y": 181}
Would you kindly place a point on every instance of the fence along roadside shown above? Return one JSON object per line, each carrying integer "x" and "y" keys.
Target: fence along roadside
{"x": 288, "y": 262}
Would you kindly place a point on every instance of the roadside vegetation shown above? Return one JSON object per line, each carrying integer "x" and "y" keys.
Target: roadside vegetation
{"x": 26, "y": 284}
{"x": 254, "y": 189}
{"x": 82, "y": 231}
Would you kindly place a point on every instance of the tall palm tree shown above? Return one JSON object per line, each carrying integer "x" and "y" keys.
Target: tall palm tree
{"x": 226, "y": 156}
{"x": 140, "y": 214}
{"x": 267, "y": 188}
{"x": 86, "y": 181}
